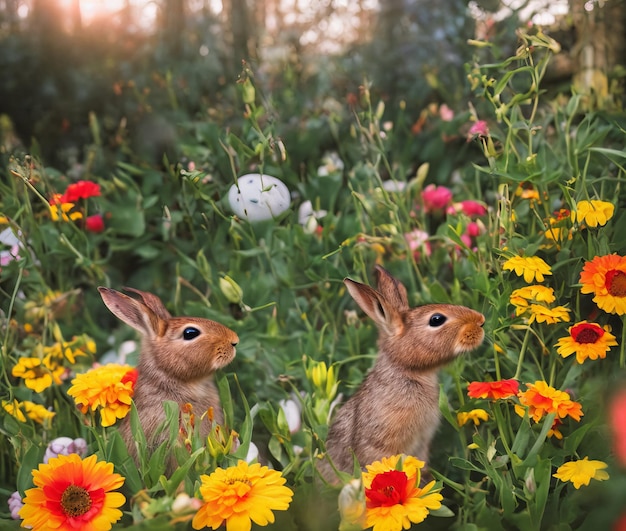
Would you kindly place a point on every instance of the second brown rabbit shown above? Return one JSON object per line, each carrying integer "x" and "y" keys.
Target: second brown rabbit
{"x": 178, "y": 358}
{"x": 396, "y": 408}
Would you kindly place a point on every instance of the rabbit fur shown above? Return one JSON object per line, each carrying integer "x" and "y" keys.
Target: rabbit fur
{"x": 396, "y": 408}
{"x": 178, "y": 358}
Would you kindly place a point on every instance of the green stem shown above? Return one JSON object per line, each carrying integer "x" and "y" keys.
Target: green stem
{"x": 522, "y": 352}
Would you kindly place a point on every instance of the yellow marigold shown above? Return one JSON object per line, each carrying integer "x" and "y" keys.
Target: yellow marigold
{"x": 542, "y": 399}
{"x": 605, "y": 277}
{"x": 543, "y": 314}
{"x": 38, "y": 374}
{"x": 530, "y": 267}
{"x": 394, "y": 499}
{"x": 239, "y": 495}
{"x": 593, "y": 212}
{"x": 13, "y": 409}
{"x": 108, "y": 388}
{"x": 587, "y": 341}
{"x": 475, "y": 415}
{"x": 581, "y": 472}
{"x": 21, "y": 410}
{"x": 72, "y": 493}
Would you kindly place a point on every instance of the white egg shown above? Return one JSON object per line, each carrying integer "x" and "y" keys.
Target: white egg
{"x": 258, "y": 197}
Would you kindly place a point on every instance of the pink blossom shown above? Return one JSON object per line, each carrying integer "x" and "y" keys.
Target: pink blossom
{"x": 479, "y": 128}
{"x": 15, "y": 504}
{"x": 466, "y": 239}
{"x": 436, "y": 198}
{"x": 446, "y": 113}
{"x": 417, "y": 241}
{"x": 472, "y": 229}
{"x": 471, "y": 208}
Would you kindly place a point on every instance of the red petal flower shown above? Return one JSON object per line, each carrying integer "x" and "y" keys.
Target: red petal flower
{"x": 80, "y": 190}
{"x": 493, "y": 390}
{"x": 387, "y": 489}
{"x": 617, "y": 415}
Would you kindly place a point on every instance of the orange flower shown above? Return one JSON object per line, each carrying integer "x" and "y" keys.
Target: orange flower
{"x": 493, "y": 390}
{"x": 72, "y": 493}
{"x": 541, "y": 399}
{"x": 605, "y": 277}
{"x": 586, "y": 340}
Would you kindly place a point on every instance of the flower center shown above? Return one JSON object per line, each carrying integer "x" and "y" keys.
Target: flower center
{"x": 75, "y": 501}
{"x": 387, "y": 489}
{"x": 616, "y": 283}
{"x": 587, "y": 333}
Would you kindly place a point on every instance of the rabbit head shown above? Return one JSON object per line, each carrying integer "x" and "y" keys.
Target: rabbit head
{"x": 420, "y": 338}
{"x": 183, "y": 348}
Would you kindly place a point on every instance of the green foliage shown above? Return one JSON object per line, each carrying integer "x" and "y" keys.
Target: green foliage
{"x": 168, "y": 229}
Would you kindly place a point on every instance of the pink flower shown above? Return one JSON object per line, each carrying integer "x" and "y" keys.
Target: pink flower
{"x": 472, "y": 229}
{"x": 446, "y": 113}
{"x": 617, "y": 415}
{"x": 417, "y": 241}
{"x": 94, "y": 223}
{"x": 436, "y": 198}
{"x": 479, "y": 128}
{"x": 472, "y": 208}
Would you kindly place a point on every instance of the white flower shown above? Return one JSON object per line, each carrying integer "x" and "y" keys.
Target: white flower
{"x": 331, "y": 163}
{"x": 15, "y": 504}
{"x": 291, "y": 408}
{"x": 307, "y": 217}
{"x": 253, "y": 453}
{"x": 257, "y": 197}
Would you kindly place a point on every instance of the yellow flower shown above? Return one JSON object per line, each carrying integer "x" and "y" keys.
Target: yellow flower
{"x": 13, "y": 409}
{"x": 108, "y": 388}
{"x": 240, "y": 495}
{"x": 394, "y": 499}
{"x": 351, "y": 503}
{"x": 37, "y": 412}
{"x": 586, "y": 340}
{"x": 38, "y": 374}
{"x": 71, "y": 493}
{"x": 530, "y": 267}
{"x": 522, "y": 297}
{"x": 543, "y": 314}
{"x": 475, "y": 415}
{"x": 60, "y": 212}
{"x": 593, "y": 212}
{"x": 581, "y": 472}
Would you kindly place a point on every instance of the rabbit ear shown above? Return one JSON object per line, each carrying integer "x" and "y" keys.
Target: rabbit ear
{"x": 152, "y": 302}
{"x": 386, "y": 316}
{"x": 392, "y": 289}
{"x": 133, "y": 312}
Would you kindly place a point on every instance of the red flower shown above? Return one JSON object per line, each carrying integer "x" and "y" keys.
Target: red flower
{"x": 387, "y": 489}
{"x": 130, "y": 376}
{"x": 617, "y": 415}
{"x": 80, "y": 190}
{"x": 493, "y": 390}
{"x": 436, "y": 197}
{"x": 94, "y": 223}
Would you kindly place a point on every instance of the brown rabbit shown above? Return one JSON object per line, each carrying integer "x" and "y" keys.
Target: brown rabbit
{"x": 396, "y": 408}
{"x": 178, "y": 358}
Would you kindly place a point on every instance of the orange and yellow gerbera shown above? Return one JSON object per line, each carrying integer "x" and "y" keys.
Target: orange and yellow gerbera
{"x": 605, "y": 277}
{"x": 72, "y": 493}
{"x": 587, "y": 341}
{"x": 541, "y": 399}
{"x": 393, "y": 497}
{"x": 239, "y": 495}
{"x": 108, "y": 388}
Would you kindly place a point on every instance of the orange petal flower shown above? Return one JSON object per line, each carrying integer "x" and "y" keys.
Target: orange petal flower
{"x": 493, "y": 390}
{"x": 605, "y": 277}
{"x": 72, "y": 493}
{"x": 586, "y": 340}
{"x": 542, "y": 399}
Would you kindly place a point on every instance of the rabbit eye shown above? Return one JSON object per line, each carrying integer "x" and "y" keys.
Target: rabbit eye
{"x": 190, "y": 333}
{"x": 437, "y": 319}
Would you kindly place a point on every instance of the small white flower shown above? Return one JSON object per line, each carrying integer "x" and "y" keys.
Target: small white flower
{"x": 307, "y": 217}
{"x": 292, "y": 412}
{"x": 257, "y": 197}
